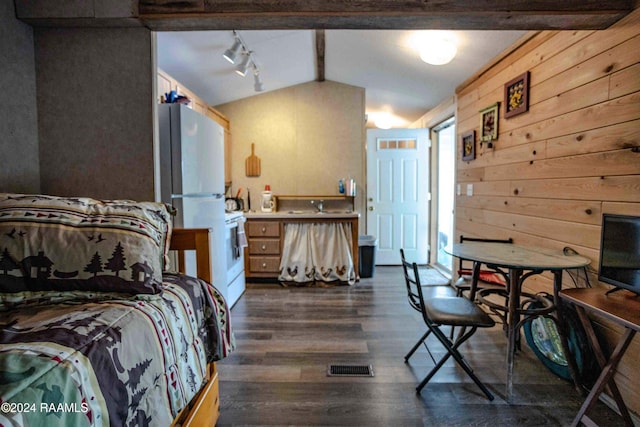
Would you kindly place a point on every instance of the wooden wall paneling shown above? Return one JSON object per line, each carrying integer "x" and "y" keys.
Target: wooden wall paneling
{"x": 559, "y": 55}
{"x": 583, "y": 121}
{"x": 573, "y": 233}
{"x": 605, "y": 63}
{"x": 513, "y": 153}
{"x": 464, "y": 102}
{"x": 626, "y": 81}
{"x": 553, "y": 57}
{"x": 562, "y": 102}
{"x": 488, "y": 188}
{"x": 613, "y": 137}
{"x": 470, "y": 174}
{"x": 621, "y": 208}
{"x": 467, "y": 227}
{"x": 618, "y": 110}
{"x": 533, "y": 40}
{"x": 609, "y": 163}
{"x": 550, "y": 48}
{"x": 582, "y": 211}
{"x": 472, "y": 227}
{"x": 615, "y": 188}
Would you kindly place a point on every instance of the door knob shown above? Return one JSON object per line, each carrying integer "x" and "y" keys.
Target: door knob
{"x": 370, "y": 208}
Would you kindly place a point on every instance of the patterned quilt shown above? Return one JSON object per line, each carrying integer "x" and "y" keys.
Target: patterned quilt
{"x": 130, "y": 361}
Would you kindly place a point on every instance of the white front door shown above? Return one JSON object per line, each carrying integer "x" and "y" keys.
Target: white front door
{"x": 398, "y": 193}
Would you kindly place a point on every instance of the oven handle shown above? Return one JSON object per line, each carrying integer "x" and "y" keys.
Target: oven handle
{"x": 230, "y": 225}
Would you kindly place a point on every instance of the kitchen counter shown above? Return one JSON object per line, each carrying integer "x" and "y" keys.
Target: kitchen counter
{"x": 266, "y": 237}
{"x": 293, "y": 215}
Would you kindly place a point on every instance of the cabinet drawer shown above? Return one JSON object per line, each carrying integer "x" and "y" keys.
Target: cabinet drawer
{"x": 263, "y": 228}
{"x": 264, "y": 264}
{"x": 264, "y": 246}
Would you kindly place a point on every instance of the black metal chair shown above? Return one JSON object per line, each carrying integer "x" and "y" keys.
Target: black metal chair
{"x": 429, "y": 291}
{"x": 489, "y": 278}
{"x": 445, "y": 311}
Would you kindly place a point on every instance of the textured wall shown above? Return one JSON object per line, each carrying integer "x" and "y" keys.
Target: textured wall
{"x": 307, "y": 137}
{"x": 95, "y": 111}
{"x": 556, "y": 168}
{"x": 18, "y": 113}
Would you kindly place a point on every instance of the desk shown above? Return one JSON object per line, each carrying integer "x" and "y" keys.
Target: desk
{"x": 522, "y": 262}
{"x": 622, "y": 308}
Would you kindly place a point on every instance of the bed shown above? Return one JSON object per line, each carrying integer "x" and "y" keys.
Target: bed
{"x": 95, "y": 329}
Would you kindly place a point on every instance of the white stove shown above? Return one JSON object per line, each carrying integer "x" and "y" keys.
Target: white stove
{"x": 232, "y": 215}
{"x": 234, "y": 239}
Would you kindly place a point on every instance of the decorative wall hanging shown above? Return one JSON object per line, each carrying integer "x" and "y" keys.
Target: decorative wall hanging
{"x": 516, "y": 96}
{"x": 489, "y": 122}
{"x": 469, "y": 145}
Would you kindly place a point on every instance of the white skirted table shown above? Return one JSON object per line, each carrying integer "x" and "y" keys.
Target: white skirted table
{"x": 521, "y": 262}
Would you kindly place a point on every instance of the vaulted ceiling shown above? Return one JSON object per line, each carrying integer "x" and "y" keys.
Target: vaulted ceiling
{"x": 384, "y": 62}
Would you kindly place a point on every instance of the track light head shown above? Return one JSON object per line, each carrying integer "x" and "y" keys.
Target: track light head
{"x": 257, "y": 83}
{"x": 243, "y": 66}
{"x": 231, "y": 53}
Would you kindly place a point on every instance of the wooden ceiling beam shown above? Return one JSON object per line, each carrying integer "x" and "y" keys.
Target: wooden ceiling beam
{"x": 167, "y": 15}
{"x": 386, "y": 14}
{"x": 320, "y": 46}
{"x": 494, "y": 21}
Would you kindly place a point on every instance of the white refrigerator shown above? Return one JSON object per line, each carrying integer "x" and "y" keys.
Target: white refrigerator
{"x": 192, "y": 179}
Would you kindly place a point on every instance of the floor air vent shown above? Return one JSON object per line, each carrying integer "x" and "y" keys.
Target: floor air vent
{"x": 350, "y": 371}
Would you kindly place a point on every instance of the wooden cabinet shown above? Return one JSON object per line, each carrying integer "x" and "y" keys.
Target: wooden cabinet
{"x": 227, "y": 157}
{"x": 265, "y": 238}
{"x": 262, "y": 256}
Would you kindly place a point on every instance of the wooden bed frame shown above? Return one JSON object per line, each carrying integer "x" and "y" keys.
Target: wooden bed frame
{"x": 204, "y": 408}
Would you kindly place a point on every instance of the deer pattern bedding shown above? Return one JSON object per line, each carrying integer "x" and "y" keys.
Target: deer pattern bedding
{"x": 134, "y": 361}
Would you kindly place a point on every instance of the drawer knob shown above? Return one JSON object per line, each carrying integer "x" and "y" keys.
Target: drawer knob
{"x": 264, "y": 265}
{"x": 264, "y": 229}
{"x": 264, "y": 247}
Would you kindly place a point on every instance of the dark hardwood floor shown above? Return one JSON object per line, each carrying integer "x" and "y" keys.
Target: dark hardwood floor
{"x": 286, "y": 338}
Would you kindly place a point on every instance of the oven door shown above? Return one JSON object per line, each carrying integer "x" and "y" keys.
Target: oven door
{"x": 235, "y": 253}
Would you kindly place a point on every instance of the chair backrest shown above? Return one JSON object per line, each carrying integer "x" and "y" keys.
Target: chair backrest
{"x": 412, "y": 281}
{"x": 479, "y": 239}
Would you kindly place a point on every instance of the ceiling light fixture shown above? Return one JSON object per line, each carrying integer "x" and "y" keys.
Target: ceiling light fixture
{"x": 243, "y": 66}
{"x": 383, "y": 120}
{"x": 231, "y": 53}
{"x": 248, "y": 60}
{"x": 438, "y": 48}
{"x": 257, "y": 83}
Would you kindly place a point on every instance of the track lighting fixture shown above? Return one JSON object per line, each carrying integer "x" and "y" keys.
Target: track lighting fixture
{"x": 243, "y": 66}
{"x": 257, "y": 83}
{"x": 231, "y": 53}
{"x": 248, "y": 60}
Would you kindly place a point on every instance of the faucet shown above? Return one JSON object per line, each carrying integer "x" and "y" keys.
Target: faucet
{"x": 320, "y": 206}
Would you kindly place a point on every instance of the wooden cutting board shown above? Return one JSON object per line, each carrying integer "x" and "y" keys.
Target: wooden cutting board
{"x": 252, "y": 163}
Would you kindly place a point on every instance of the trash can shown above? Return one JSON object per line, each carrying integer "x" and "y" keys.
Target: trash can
{"x": 367, "y": 255}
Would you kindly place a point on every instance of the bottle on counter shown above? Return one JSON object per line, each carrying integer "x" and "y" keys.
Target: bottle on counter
{"x": 351, "y": 187}
{"x": 266, "y": 200}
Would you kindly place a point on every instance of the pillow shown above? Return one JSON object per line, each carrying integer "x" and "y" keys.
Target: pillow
{"x": 485, "y": 276}
{"x": 50, "y": 243}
